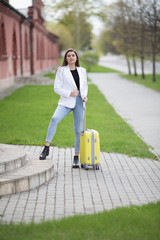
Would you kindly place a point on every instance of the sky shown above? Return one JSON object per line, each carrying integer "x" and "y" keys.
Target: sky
{"x": 26, "y": 3}
{"x": 20, "y": 3}
{"x": 97, "y": 24}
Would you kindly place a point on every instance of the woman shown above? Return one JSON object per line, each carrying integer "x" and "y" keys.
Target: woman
{"x": 71, "y": 85}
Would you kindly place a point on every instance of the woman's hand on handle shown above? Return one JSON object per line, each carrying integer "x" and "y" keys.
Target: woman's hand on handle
{"x": 84, "y": 99}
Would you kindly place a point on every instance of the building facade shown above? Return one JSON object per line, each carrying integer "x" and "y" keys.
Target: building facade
{"x": 26, "y": 47}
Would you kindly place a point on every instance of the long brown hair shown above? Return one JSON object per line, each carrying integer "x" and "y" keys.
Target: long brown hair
{"x": 65, "y": 63}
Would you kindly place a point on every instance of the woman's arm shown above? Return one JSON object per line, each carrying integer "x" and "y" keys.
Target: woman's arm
{"x": 59, "y": 85}
{"x": 84, "y": 91}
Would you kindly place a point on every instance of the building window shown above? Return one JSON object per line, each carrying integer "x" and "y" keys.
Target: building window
{"x": 53, "y": 51}
{"x": 48, "y": 50}
{"x": 42, "y": 53}
{"x": 3, "y": 52}
{"x": 37, "y": 47}
{"x": 14, "y": 53}
{"x": 26, "y": 54}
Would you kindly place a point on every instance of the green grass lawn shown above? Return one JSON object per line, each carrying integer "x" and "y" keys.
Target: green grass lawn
{"x": 50, "y": 75}
{"x": 26, "y": 114}
{"x": 133, "y": 223}
{"x": 146, "y": 82}
{"x": 100, "y": 69}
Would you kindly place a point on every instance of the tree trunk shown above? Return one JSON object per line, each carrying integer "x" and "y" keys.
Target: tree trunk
{"x": 134, "y": 65}
{"x": 129, "y": 67}
{"x": 154, "y": 66}
{"x": 154, "y": 47}
{"x": 142, "y": 66}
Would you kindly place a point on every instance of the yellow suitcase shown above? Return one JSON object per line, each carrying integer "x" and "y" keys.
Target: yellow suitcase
{"x": 89, "y": 147}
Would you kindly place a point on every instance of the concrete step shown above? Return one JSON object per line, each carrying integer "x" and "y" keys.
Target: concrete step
{"x": 34, "y": 79}
{"x": 11, "y": 158}
{"x": 30, "y": 176}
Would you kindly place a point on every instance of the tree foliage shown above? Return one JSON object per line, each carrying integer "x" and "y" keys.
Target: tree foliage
{"x": 79, "y": 28}
{"x": 74, "y": 16}
{"x": 89, "y": 59}
{"x": 133, "y": 28}
{"x": 62, "y": 32}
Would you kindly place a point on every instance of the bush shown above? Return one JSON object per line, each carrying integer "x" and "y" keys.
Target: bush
{"x": 89, "y": 59}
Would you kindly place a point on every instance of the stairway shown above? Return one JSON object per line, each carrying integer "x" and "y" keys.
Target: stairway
{"x": 20, "y": 171}
{"x": 34, "y": 79}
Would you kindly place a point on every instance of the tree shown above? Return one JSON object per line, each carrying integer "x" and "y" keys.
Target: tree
{"x": 74, "y": 15}
{"x": 141, "y": 8}
{"x": 107, "y": 43}
{"x": 89, "y": 59}
{"x": 63, "y": 33}
{"x": 134, "y": 29}
{"x": 120, "y": 29}
{"x": 80, "y": 32}
{"x": 60, "y": 7}
{"x": 152, "y": 20}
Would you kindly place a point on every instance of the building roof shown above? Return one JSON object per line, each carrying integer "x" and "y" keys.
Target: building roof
{"x": 28, "y": 15}
{"x": 12, "y": 8}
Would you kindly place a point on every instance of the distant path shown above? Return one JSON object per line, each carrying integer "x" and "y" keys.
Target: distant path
{"x": 119, "y": 63}
{"x": 138, "y": 105}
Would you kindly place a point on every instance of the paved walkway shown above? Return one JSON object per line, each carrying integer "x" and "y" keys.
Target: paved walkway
{"x": 138, "y": 105}
{"x": 119, "y": 63}
{"x": 121, "y": 181}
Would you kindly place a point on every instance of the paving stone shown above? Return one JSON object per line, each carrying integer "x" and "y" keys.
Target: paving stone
{"x": 123, "y": 182}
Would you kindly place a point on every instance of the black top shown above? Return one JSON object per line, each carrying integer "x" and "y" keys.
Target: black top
{"x": 76, "y": 77}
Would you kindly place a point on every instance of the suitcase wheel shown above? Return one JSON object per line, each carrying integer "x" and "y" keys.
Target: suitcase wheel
{"x": 97, "y": 167}
{"x": 86, "y": 167}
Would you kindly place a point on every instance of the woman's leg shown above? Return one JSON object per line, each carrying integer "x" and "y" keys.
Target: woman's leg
{"x": 78, "y": 125}
{"x": 78, "y": 122}
{"x": 60, "y": 113}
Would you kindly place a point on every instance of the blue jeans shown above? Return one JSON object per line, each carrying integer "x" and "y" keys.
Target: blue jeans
{"x": 60, "y": 113}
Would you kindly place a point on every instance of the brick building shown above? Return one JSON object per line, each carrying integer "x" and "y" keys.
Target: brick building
{"x": 26, "y": 47}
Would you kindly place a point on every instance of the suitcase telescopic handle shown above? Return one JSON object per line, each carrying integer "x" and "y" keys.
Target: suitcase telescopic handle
{"x": 84, "y": 115}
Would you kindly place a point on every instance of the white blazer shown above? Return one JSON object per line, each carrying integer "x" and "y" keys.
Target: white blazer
{"x": 64, "y": 84}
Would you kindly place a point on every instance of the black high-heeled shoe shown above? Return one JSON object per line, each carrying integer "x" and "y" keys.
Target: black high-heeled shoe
{"x": 75, "y": 162}
{"x": 44, "y": 153}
